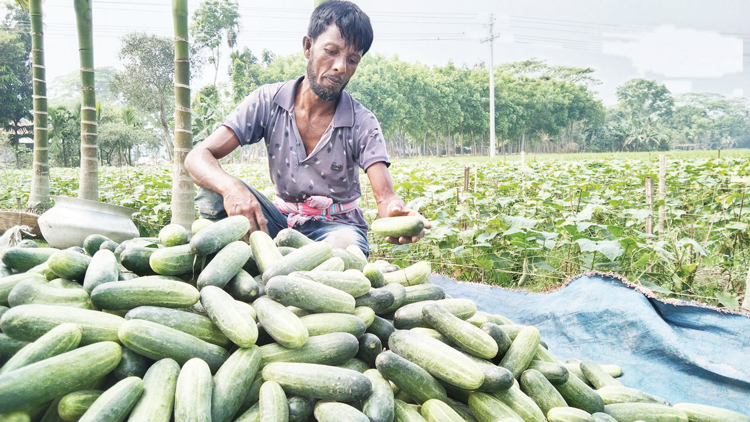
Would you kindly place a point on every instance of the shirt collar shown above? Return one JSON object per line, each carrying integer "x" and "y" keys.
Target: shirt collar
{"x": 342, "y": 117}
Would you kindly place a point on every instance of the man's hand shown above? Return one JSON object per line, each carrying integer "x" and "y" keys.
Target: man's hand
{"x": 240, "y": 201}
{"x": 397, "y": 209}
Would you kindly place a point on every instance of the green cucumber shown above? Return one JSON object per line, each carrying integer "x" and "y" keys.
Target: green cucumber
{"x": 173, "y": 260}
{"x": 157, "y": 401}
{"x": 219, "y": 234}
{"x": 358, "y": 255}
{"x": 369, "y": 348}
{"x": 132, "y": 365}
{"x": 366, "y": 314}
{"x": 555, "y": 373}
{"x": 231, "y": 382}
{"x": 496, "y": 378}
{"x": 406, "y": 413}
{"x": 477, "y": 319}
{"x": 577, "y": 394}
{"x": 324, "y": 323}
{"x": 273, "y": 404}
{"x": 499, "y": 336}
{"x": 23, "y": 259}
{"x": 265, "y": 252}
{"x": 243, "y": 287}
{"x": 103, "y": 268}
{"x": 65, "y": 284}
{"x": 200, "y": 224}
{"x": 462, "y": 409}
{"x": 145, "y": 291}
{"x": 569, "y": 414}
{"x": 463, "y": 334}
{"x": 10, "y": 346}
{"x": 300, "y": 408}
{"x": 355, "y": 365}
{"x": 703, "y": 413}
{"x": 115, "y": 403}
{"x": 303, "y": 259}
{"x": 379, "y": 406}
{"x": 646, "y": 412}
{"x": 280, "y": 323}
{"x": 7, "y": 284}
{"x": 521, "y": 351}
{"x": 109, "y": 245}
{"x": 378, "y": 299}
{"x": 93, "y": 242}
{"x": 61, "y": 339}
{"x": 399, "y": 296}
{"x": 596, "y": 375}
{"x": 32, "y": 291}
{"x": 251, "y": 415}
{"x": 350, "y": 281}
{"x": 59, "y": 375}
{"x": 536, "y": 386}
{"x": 173, "y": 235}
{"x": 6, "y": 270}
{"x": 544, "y": 355}
{"x": 602, "y": 417}
{"x": 331, "y": 264}
{"x": 69, "y": 264}
{"x": 432, "y": 333}
{"x": 435, "y": 410}
{"x": 157, "y": 341}
{"x": 409, "y": 377}
{"x": 319, "y": 381}
{"x": 307, "y": 294}
{"x": 234, "y": 321}
{"x": 410, "y": 316}
{"x": 43, "y": 269}
{"x": 350, "y": 262}
{"x": 19, "y": 416}
{"x": 421, "y": 292}
{"x": 411, "y": 275}
{"x": 225, "y": 265}
{"x": 291, "y": 238}
{"x": 188, "y": 322}
{"x": 373, "y": 273}
{"x": 72, "y": 406}
{"x": 192, "y": 398}
{"x": 137, "y": 260}
{"x": 330, "y": 411}
{"x": 286, "y": 250}
{"x": 398, "y": 226}
{"x": 487, "y": 407}
{"x": 382, "y": 328}
{"x": 327, "y": 349}
{"x": 252, "y": 394}
{"x": 29, "y": 322}
{"x": 521, "y": 404}
{"x": 613, "y": 394}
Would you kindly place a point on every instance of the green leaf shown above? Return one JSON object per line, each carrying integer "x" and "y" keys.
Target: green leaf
{"x": 485, "y": 237}
{"x": 655, "y": 287}
{"x": 726, "y": 299}
{"x": 520, "y": 222}
{"x": 609, "y": 248}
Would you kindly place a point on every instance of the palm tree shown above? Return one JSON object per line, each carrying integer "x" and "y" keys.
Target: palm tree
{"x": 39, "y": 192}
{"x": 89, "y": 174}
{"x": 183, "y": 191}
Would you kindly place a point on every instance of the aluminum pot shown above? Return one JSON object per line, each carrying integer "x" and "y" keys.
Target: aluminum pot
{"x": 71, "y": 220}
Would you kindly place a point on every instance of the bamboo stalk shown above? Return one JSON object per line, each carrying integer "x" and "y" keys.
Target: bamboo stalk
{"x": 39, "y": 192}
{"x": 89, "y": 172}
{"x": 183, "y": 191}
{"x": 649, "y": 184}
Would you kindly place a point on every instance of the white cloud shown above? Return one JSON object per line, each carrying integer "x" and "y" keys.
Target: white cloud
{"x": 678, "y": 86}
{"x": 678, "y": 52}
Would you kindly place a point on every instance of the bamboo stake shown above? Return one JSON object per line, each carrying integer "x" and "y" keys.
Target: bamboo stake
{"x": 662, "y": 194}
{"x": 649, "y": 184}
{"x": 466, "y": 178}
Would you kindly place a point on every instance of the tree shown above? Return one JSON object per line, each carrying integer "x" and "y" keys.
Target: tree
{"x": 88, "y": 180}
{"x": 642, "y": 98}
{"x": 65, "y": 135}
{"x": 146, "y": 82}
{"x": 15, "y": 86}
{"x": 212, "y": 21}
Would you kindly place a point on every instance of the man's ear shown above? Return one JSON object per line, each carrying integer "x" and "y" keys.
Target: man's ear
{"x": 307, "y": 43}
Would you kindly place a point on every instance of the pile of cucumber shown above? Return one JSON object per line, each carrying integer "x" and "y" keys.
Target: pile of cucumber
{"x": 205, "y": 326}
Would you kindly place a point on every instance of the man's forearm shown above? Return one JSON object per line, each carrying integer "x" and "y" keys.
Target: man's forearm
{"x": 207, "y": 173}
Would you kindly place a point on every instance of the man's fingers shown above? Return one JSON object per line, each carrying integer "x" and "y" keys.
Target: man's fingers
{"x": 261, "y": 220}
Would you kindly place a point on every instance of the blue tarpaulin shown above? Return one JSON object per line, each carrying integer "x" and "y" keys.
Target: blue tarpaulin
{"x": 678, "y": 351}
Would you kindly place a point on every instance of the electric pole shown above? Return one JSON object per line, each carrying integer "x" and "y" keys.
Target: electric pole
{"x": 491, "y": 40}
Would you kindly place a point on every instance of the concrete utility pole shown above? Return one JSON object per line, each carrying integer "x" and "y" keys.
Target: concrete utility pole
{"x": 491, "y": 40}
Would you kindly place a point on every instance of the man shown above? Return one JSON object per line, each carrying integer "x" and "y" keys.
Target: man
{"x": 317, "y": 138}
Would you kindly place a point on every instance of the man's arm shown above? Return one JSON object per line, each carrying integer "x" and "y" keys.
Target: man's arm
{"x": 202, "y": 165}
{"x": 389, "y": 203}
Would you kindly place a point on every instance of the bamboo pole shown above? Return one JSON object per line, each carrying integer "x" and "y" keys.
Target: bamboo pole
{"x": 649, "y": 184}
{"x": 467, "y": 171}
{"x": 88, "y": 179}
{"x": 39, "y": 192}
{"x": 662, "y": 194}
{"x": 183, "y": 191}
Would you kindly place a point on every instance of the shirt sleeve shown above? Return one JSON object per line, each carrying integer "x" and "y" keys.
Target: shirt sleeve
{"x": 249, "y": 119}
{"x": 371, "y": 143}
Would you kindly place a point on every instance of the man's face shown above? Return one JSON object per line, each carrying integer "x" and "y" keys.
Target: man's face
{"x": 331, "y": 63}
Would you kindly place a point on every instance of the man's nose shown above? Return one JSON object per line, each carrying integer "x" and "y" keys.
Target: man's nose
{"x": 339, "y": 64}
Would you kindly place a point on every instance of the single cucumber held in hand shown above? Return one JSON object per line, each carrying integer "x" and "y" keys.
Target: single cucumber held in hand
{"x": 398, "y": 226}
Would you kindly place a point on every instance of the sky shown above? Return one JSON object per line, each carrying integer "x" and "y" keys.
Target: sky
{"x": 688, "y": 45}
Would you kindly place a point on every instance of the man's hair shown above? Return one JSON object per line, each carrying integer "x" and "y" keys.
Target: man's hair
{"x": 352, "y": 22}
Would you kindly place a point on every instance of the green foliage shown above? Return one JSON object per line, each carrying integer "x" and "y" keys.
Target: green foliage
{"x": 15, "y": 73}
{"x": 65, "y": 136}
{"x": 66, "y": 89}
{"x": 214, "y": 20}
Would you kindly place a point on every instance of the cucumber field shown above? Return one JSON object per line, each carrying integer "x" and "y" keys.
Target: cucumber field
{"x": 526, "y": 227}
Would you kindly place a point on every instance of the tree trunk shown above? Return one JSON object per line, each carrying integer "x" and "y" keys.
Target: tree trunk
{"x": 39, "y": 192}
{"x": 89, "y": 173}
{"x": 183, "y": 191}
